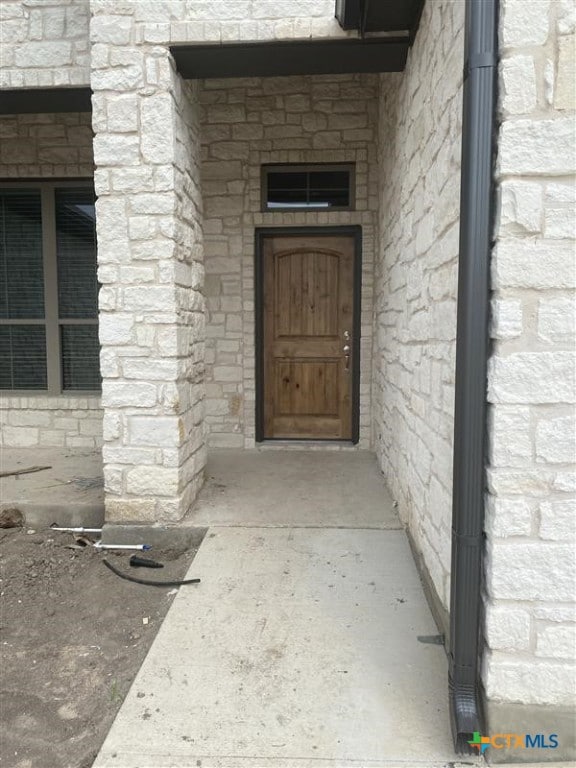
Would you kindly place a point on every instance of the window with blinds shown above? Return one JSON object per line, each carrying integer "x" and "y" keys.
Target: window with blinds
{"x": 48, "y": 289}
{"x": 308, "y": 187}
{"x": 22, "y": 332}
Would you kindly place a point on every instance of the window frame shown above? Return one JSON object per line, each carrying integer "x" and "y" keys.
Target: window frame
{"x": 267, "y": 168}
{"x": 51, "y": 320}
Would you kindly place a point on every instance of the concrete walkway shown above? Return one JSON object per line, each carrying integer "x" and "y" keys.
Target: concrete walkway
{"x": 338, "y": 489}
{"x": 69, "y": 490}
{"x": 300, "y": 648}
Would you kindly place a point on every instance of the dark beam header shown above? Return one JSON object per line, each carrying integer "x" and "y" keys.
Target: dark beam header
{"x": 380, "y": 15}
{"x": 26, "y": 100}
{"x": 308, "y": 57}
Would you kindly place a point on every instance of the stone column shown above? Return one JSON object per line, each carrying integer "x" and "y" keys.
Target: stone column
{"x": 149, "y": 226}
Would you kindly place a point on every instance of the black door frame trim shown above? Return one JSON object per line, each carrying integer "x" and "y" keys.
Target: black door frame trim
{"x": 354, "y": 231}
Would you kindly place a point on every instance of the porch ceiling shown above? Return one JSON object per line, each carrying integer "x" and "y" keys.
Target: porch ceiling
{"x": 309, "y": 57}
{"x": 28, "y": 100}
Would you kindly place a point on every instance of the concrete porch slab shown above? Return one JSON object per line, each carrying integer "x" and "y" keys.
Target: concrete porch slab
{"x": 299, "y": 648}
{"x": 339, "y": 489}
{"x": 70, "y": 492}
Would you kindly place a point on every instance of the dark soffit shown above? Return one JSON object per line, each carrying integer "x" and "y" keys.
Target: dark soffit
{"x": 27, "y": 100}
{"x": 298, "y": 57}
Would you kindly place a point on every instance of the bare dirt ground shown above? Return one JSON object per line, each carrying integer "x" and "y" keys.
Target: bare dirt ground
{"x": 72, "y": 638}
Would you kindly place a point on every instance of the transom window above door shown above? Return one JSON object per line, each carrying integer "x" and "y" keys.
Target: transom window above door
{"x": 48, "y": 288}
{"x": 308, "y": 187}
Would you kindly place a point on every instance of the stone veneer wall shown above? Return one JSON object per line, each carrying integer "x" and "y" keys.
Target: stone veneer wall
{"x": 44, "y": 43}
{"x": 246, "y": 123}
{"x": 149, "y": 219}
{"x": 531, "y": 509}
{"x": 43, "y": 147}
{"x": 416, "y": 283}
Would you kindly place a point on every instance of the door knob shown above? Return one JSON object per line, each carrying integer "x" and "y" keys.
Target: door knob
{"x": 346, "y": 350}
{"x": 347, "y": 335}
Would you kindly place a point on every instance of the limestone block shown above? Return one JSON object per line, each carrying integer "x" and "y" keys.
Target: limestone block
{"x": 152, "y": 203}
{"x": 508, "y": 517}
{"x": 149, "y": 298}
{"x": 121, "y": 394}
{"x": 506, "y": 318}
{"x": 537, "y": 147}
{"x": 16, "y": 151}
{"x": 539, "y": 264}
{"x": 152, "y": 481}
{"x": 115, "y": 30}
{"x": 43, "y": 54}
{"x": 122, "y": 113}
{"x": 507, "y": 629}
{"x": 561, "y": 191}
{"x": 556, "y": 440}
{"x": 560, "y": 222}
{"x": 221, "y": 207}
{"x": 230, "y": 150}
{"x": 510, "y": 439}
{"x": 157, "y": 33}
{"x": 155, "y": 431}
{"x": 113, "y": 479}
{"x": 557, "y": 642}
{"x": 227, "y": 373}
{"x": 156, "y": 116}
{"x": 107, "y": 295}
{"x": 52, "y": 438}
{"x": 54, "y": 24}
{"x": 531, "y": 571}
{"x": 77, "y": 21}
{"x": 115, "y": 328}
{"x": 19, "y": 437}
{"x": 116, "y": 150}
{"x": 12, "y": 31}
{"x": 129, "y": 510}
{"x": 529, "y": 682}
{"x": 111, "y": 425}
{"x": 152, "y": 369}
{"x": 122, "y": 454}
{"x": 215, "y": 169}
{"x": 525, "y": 23}
{"x": 226, "y": 113}
{"x": 566, "y": 16}
{"x": 29, "y": 418}
{"x": 521, "y": 206}
{"x": 125, "y": 78}
{"x": 152, "y": 250}
{"x": 532, "y": 377}
{"x": 137, "y": 275}
{"x": 91, "y": 427}
{"x": 564, "y": 481}
{"x": 133, "y": 179}
{"x": 558, "y": 520}
{"x": 518, "y": 89}
{"x": 80, "y": 442}
{"x": 565, "y": 89}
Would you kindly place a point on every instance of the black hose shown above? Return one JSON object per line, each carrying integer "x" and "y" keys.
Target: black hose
{"x": 146, "y": 582}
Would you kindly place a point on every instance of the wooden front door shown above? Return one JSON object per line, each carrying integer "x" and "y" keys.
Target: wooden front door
{"x": 308, "y": 336}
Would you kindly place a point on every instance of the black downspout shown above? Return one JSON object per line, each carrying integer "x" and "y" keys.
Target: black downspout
{"x": 476, "y": 216}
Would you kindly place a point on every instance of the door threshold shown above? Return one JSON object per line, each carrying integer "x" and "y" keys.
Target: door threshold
{"x": 307, "y": 445}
